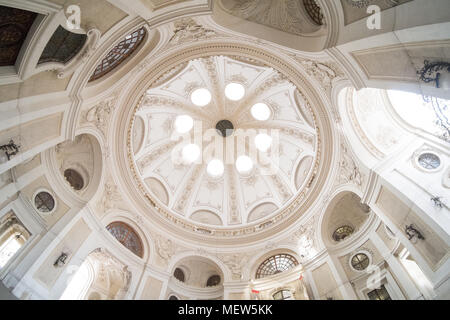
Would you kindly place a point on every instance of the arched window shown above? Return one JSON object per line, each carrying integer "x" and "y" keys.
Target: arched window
{"x": 179, "y": 274}
{"x": 213, "y": 281}
{"x": 314, "y": 11}
{"x": 127, "y": 237}
{"x": 430, "y": 114}
{"x": 342, "y": 232}
{"x": 119, "y": 53}
{"x": 283, "y": 295}
{"x": 276, "y": 264}
{"x": 172, "y": 297}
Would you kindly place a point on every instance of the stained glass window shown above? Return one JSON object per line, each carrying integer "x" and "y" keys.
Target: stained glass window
{"x": 179, "y": 274}
{"x": 429, "y": 161}
{"x": 119, "y": 53}
{"x": 213, "y": 281}
{"x": 44, "y": 202}
{"x": 314, "y": 11}
{"x": 342, "y": 232}
{"x": 276, "y": 264}
{"x": 283, "y": 295}
{"x": 360, "y": 261}
{"x": 379, "y": 294}
{"x": 127, "y": 237}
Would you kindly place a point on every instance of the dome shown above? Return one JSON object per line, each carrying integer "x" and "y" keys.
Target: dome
{"x": 249, "y": 177}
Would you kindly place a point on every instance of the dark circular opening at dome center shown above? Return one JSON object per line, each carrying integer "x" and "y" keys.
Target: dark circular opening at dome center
{"x": 224, "y": 128}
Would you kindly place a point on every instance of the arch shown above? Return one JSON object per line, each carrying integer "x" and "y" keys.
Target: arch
{"x": 199, "y": 269}
{"x": 127, "y": 236}
{"x": 100, "y": 277}
{"x": 83, "y": 155}
{"x": 13, "y": 235}
{"x": 177, "y": 260}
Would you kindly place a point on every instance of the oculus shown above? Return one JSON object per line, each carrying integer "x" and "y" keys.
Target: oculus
{"x": 44, "y": 202}
{"x": 429, "y": 161}
{"x": 225, "y": 128}
{"x": 360, "y": 261}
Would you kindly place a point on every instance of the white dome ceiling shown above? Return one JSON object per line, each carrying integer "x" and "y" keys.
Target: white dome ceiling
{"x": 241, "y": 191}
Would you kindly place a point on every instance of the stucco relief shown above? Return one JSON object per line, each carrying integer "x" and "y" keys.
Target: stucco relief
{"x": 349, "y": 171}
{"x": 165, "y": 248}
{"x": 100, "y": 114}
{"x": 285, "y": 15}
{"x": 304, "y": 238}
{"x": 187, "y": 29}
{"x": 236, "y": 263}
{"x": 111, "y": 197}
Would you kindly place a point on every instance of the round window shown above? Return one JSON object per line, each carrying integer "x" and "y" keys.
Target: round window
{"x": 44, "y": 202}
{"x": 74, "y": 178}
{"x": 360, "y": 261}
{"x": 429, "y": 161}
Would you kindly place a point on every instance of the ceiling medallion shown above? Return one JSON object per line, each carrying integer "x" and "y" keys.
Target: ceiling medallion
{"x": 187, "y": 185}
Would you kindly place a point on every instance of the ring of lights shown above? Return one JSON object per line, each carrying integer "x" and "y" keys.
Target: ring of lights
{"x": 229, "y": 235}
